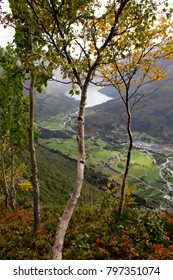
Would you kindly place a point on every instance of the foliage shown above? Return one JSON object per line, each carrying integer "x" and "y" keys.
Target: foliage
{"x": 25, "y": 185}
{"x": 14, "y": 105}
{"x": 17, "y": 241}
{"x": 94, "y": 233}
{"x": 137, "y": 234}
{"x": 132, "y": 68}
{"x": 14, "y": 119}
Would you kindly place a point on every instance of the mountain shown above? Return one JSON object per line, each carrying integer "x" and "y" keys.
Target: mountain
{"x": 152, "y": 115}
{"x": 54, "y": 100}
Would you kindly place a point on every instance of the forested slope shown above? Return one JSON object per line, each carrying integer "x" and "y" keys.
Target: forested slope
{"x": 56, "y": 175}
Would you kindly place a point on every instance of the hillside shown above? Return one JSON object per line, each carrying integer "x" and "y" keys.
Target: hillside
{"x": 56, "y": 175}
{"x": 94, "y": 233}
{"x": 53, "y": 100}
{"x": 152, "y": 115}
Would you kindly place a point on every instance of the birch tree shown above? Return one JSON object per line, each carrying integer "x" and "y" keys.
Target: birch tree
{"x": 133, "y": 71}
{"x": 14, "y": 119}
{"x": 78, "y": 36}
{"x": 30, "y": 54}
{"x": 92, "y": 45}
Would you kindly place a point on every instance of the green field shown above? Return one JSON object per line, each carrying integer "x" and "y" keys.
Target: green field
{"x": 142, "y": 164}
{"x": 65, "y": 146}
{"x": 58, "y": 122}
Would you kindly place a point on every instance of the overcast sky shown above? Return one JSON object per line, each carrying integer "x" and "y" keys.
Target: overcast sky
{"x": 6, "y": 35}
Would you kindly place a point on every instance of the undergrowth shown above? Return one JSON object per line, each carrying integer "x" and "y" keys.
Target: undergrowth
{"x": 94, "y": 233}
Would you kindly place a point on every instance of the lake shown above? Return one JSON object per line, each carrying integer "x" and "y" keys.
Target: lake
{"x": 94, "y": 97}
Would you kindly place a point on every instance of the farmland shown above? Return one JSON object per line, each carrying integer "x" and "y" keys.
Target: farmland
{"x": 107, "y": 154}
{"x": 101, "y": 159}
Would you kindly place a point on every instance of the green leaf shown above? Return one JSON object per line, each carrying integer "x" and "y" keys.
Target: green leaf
{"x": 71, "y": 92}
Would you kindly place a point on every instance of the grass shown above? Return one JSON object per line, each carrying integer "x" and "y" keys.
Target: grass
{"x": 67, "y": 147}
{"x": 141, "y": 158}
{"x": 55, "y": 123}
{"x": 137, "y": 171}
{"x": 153, "y": 175}
{"x": 142, "y": 164}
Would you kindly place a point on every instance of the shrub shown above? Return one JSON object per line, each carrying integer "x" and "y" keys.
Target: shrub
{"x": 94, "y": 233}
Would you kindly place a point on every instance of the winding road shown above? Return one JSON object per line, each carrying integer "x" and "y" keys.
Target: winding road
{"x": 149, "y": 186}
{"x": 165, "y": 166}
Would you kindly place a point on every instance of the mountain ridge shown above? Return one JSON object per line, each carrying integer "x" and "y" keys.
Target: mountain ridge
{"x": 152, "y": 115}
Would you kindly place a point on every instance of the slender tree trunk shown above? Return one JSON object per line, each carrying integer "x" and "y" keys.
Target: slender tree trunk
{"x": 34, "y": 171}
{"x": 12, "y": 184}
{"x": 6, "y": 189}
{"x": 123, "y": 187}
{"x": 64, "y": 221}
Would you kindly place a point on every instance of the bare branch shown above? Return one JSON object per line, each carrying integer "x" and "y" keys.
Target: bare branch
{"x": 59, "y": 81}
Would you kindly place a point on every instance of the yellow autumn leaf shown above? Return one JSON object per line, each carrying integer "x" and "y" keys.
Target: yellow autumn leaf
{"x": 25, "y": 185}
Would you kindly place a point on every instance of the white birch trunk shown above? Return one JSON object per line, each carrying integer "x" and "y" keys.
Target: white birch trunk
{"x": 64, "y": 221}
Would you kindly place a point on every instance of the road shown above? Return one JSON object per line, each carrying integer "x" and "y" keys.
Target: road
{"x": 114, "y": 170}
{"x": 165, "y": 166}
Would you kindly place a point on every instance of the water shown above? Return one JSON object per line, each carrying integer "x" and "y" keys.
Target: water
{"x": 94, "y": 97}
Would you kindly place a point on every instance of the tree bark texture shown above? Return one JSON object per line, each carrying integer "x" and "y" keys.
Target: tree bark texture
{"x": 64, "y": 221}
{"x": 6, "y": 188}
{"x": 34, "y": 170}
{"x": 124, "y": 183}
{"x": 12, "y": 184}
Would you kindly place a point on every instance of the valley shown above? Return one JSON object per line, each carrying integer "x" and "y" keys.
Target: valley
{"x": 151, "y": 167}
{"x": 86, "y": 135}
